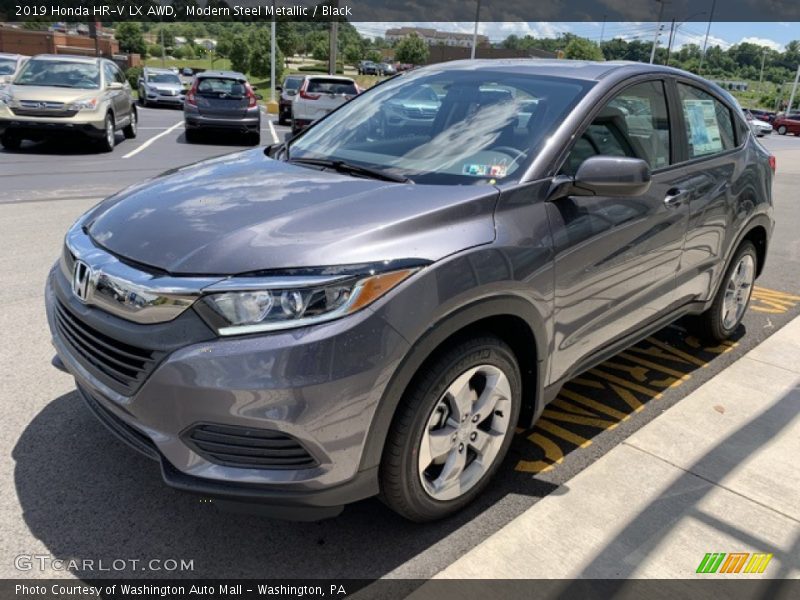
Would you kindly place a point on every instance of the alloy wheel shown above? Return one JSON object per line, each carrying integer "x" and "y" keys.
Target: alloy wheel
{"x": 465, "y": 432}
{"x": 737, "y": 291}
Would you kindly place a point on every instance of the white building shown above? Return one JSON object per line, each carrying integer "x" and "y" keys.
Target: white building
{"x": 434, "y": 37}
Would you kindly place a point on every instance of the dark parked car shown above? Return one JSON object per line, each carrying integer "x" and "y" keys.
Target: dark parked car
{"x": 356, "y": 312}
{"x": 367, "y": 67}
{"x": 288, "y": 91}
{"x": 222, "y": 101}
{"x": 787, "y": 123}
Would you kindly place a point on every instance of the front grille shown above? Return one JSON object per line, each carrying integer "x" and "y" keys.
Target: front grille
{"x": 121, "y": 366}
{"x": 248, "y": 448}
{"x": 32, "y": 108}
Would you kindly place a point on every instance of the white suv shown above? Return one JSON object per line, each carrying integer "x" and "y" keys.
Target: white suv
{"x": 10, "y": 65}
{"x": 319, "y": 95}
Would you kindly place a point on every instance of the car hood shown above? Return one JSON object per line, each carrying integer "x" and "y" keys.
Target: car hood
{"x": 170, "y": 87}
{"x": 49, "y": 94}
{"x": 246, "y": 212}
{"x": 760, "y": 123}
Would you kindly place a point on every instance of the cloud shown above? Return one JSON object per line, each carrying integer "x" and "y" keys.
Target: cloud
{"x": 771, "y": 44}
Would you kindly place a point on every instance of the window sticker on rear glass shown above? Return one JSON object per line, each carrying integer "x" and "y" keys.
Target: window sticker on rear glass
{"x": 704, "y": 134}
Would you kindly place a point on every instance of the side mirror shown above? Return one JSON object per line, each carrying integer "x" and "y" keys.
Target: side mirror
{"x": 254, "y": 87}
{"x": 115, "y": 85}
{"x": 279, "y": 88}
{"x": 605, "y": 176}
{"x": 259, "y": 97}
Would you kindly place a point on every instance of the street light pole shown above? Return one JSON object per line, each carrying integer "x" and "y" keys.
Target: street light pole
{"x": 658, "y": 31}
{"x": 272, "y": 57}
{"x": 669, "y": 45}
{"x": 763, "y": 62}
{"x": 794, "y": 91}
{"x": 708, "y": 32}
{"x": 475, "y": 31}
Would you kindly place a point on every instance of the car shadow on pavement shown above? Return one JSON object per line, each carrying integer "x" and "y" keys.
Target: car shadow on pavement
{"x": 62, "y": 146}
{"x": 86, "y": 495}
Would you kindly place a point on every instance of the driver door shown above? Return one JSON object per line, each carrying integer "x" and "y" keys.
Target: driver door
{"x": 616, "y": 257}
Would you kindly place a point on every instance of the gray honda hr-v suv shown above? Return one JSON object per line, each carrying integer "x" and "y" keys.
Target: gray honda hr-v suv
{"x": 371, "y": 310}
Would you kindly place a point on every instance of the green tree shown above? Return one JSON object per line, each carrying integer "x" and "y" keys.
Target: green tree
{"x": 239, "y": 54}
{"x": 412, "y": 50}
{"x": 583, "y": 49}
{"x": 321, "y": 50}
{"x": 130, "y": 38}
{"x": 155, "y": 50}
{"x": 260, "y": 60}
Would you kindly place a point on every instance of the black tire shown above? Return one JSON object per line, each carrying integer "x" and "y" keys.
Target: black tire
{"x": 10, "y": 141}
{"x": 782, "y": 130}
{"x": 710, "y": 325}
{"x": 191, "y": 136}
{"x": 400, "y": 482}
{"x": 142, "y": 99}
{"x": 107, "y": 142}
{"x": 254, "y": 138}
{"x": 282, "y": 120}
{"x": 132, "y": 129}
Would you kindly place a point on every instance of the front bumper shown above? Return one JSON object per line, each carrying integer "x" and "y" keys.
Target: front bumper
{"x": 320, "y": 385}
{"x": 39, "y": 127}
{"x": 168, "y": 100}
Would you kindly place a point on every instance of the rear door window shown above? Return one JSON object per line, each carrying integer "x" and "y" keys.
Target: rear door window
{"x": 709, "y": 123}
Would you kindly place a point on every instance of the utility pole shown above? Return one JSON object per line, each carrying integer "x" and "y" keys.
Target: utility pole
{"x": 163, "y": 48}
{"x": 763, "y": 62}
{"x": 658, "y": 31}
{"x": 671, "y": 37}
{"x": 475, "y": 31}
{"x": 272, "y": 57}
{"x": 603, "y": 31}
{"x": 794, "y": 91}
{"x": 334, "y": 43}
{"x": 708, "y": 32}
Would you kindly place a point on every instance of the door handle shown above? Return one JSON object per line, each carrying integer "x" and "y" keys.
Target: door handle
{"x": 675, "y": 197}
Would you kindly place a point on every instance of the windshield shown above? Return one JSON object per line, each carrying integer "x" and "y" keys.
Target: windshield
{"x": 446, "y": 127}
{"x": 164, "y": 78}
{"x": 8, "y": 66}
{"x": 292, "y": 83}
{"x": 60, "y": 74}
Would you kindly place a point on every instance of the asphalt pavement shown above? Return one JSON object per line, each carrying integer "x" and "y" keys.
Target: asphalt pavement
{"x": 71, "y": 491}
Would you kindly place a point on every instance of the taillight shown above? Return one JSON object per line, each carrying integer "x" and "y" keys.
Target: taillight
{"x": 252, "y": 101}
{"x": 773, "y": 163}
{"x": 191, "y": 97}
{"x": 304, "y": 94}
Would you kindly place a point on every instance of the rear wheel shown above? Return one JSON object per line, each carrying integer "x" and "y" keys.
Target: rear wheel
{"x": 142, "y": 98}
{"x": 452, "y": 429}
{"x": 10, "y": 141}
{"x": 254, "y": 138}
{"x": 191, "y": 136}
{"x": 782, "y": 130}
{"x": 133, "y": 127}
{"x": 733, "y": 297}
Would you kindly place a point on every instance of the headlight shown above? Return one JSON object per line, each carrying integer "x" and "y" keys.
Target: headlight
{"x": 90, "y": 104}
{"x": 269, "y": 309}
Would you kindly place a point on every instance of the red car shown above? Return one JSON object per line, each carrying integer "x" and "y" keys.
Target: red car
{"x": 787, "y": 123}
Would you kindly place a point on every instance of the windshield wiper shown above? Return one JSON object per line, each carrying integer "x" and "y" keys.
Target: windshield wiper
{"x": 351, "y": 169}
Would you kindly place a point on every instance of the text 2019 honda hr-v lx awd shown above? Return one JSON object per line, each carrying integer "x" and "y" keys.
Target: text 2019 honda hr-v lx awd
{"x": 372, "y": 310}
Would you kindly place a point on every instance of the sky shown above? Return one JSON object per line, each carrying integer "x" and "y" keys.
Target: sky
{"x": 773, "y": 35}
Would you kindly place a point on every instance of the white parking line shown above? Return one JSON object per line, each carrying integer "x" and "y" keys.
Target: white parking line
{"x": 272, "y": 132}
{"x": 153, "y": 139}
